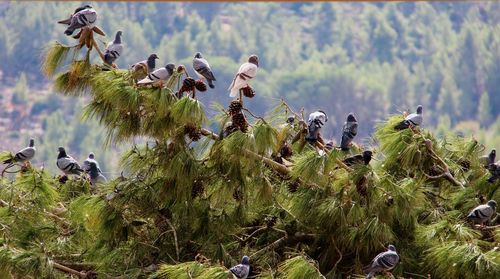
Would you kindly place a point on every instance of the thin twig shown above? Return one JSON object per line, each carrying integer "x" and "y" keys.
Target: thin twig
{"x": 253, "y": 115}
{"x": 175, "y": 235}
{"x": 69, "y": 270}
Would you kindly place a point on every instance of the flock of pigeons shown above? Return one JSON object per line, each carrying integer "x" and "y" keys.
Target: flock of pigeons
{"x": 86, "y": 16}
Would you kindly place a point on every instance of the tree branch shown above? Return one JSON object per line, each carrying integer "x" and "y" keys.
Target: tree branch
{"x": 69, "y": 270}
{"x": 446, "y": 174}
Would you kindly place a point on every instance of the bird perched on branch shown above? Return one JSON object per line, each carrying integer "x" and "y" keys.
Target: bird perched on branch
{"x": 241, "y": 270}
{"x": 86, "y": 163}
{"x": 247, "y": 71}
{"x": 384, "y": 261}
{"x": 148, "y": 65}
{"x": 494, "y": 171}
{"x": 67, "y": 164}
{"x": 83, "y": 17}
{"x": 486, "y": 160}
{"x": 482, "y": 213}
{"x": 23, "y": 155}
{"x": 203, "y": 70}
{"x": 158, "y": 75}
{"x": 414, "y": 119}
{"x": 114, "y": 49}
{"x": 349, "y": 131}
{"x": 95, "y": 173}
{"x": 316, "y": 120}
{"x": 364, "y": 158}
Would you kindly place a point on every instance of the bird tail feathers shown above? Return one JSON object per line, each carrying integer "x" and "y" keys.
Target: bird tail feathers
{"x": 402, "y": 125}
{"x": 210, "y": 83}
{"x": 8, "y": 161}
{"x": 370, "y": 275}
{"x": 65, "y": 21}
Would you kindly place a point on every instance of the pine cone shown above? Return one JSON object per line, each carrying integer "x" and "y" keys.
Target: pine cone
{"x": 465, "y": 164}
{"x": 187, "y": 85}
{"x": 240, "y": 121}
{"x": 238, "y": 195}
{"x": 293, "y": 186}
{"x": 248, "y": 91}
{"x": 235, "y": 107}
{"x": 361, "y": 187}
{"x": 200, "y": 86}
{"x": 193, "y": 133}
{"x": 197, "y": 189}
{"x": 63, "y": 179}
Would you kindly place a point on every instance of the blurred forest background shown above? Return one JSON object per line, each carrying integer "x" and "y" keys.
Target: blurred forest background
{"x": 372, "y": 59}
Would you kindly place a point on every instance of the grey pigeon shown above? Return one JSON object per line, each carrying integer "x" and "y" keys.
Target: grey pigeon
{"x": 68, "y": 20}
{"x": 84, "y": 17}
{"x": 349, "y": 131}
{"x": 23, "y": 155}
{"x": 95, "y": 174}
{"x": 67, "y": 164}
{"x": 114, "y": 49}
{"x": 160, "y": 74}
{"x": 202, "y": 69}
{"x": 494, "y": 171}
{"x": 482, "y": 213}
{"x": 384, "y": 261}
{"x": 486, "y": 160}
{"x": 414, "y": 119}
{"x": 246, "y": 72}
{"x": 86, "y": 163}
{"x": 149, "y": 64}
{"x": 241, "y": 270}
{"x": 316, "y": 120}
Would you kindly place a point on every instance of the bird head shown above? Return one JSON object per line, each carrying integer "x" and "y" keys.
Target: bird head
{"x": 367, "y": 156}
{"x": 351, "y": 118}
{"x": 392, "y": 247}
{"x": 62, "y": 152}
{"x": 493, "y": 153}
{"x": 32, "y": 142}
{"x": 61, "y": 149}
{"x": 290, "y": 119}
{"x": 91, "y": 155}
{"x": 153, "y": 56}
{"x": 254, "y": 59}
{"x": 419, "y": 109}
{"x": 87, "y": 7}
{"x": 170, "y": 67}
{"x": 492, "y": 204}
{"x": 245, "y": 260}
{"x": 198, "y": 55}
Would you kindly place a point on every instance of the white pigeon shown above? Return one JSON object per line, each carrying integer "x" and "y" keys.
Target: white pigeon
{"x": 23, "y": 155}
{"x": 382, "y": 262}
{"x": 414, "y": 119}
{"x": 67, "y": 164}
{"x": 316, "y": 120}
{"x": 246, "y": 72}
{"x": 483, "y": 213}
{"x": 158, "y": 75}
{"x": 241, "y": 270}
{"x": 114, "y": 49}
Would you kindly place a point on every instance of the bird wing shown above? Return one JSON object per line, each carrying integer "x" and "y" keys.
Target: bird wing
{"x": 68, "y": 164}
{"x": 201, "y": 66}
{"x": 387, "y": 259}
{"x": 156, "y": 75}
{"x": 415, "y": 119}
{"x": 481, "y": 212}
{"x": 240, "y": 270}
{"x": 25, "y": 154}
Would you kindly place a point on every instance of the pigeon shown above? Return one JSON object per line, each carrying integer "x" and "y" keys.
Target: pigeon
{"x": 495, "y": 172}
{"x": 203, "y": 70}
{"x": 241, "y": 270}
{"x": 414, "y": 119}
{"x": 349, "y": 131}
{"x": 316, "y": 120}
{"x": 488, "y": 159}
{"x": 114, "y": 49}
{"x": 68, "y": 20}
{"x": 23, "y": 155}
{"x": 483, "y": 212}
{"x": 365, "y": 158}
{"x": 67, "y": 164}
{"x": 160, "y": 74}
{"x": 290, "y": 119}
{"x": 85, "y": 16}
{"x": 382, "y": 262}
{"x": 149, "y": 64}
{"x": 86, "y": 163}
{"x": 95, "y": 174}
{"x": 247, "y": 71}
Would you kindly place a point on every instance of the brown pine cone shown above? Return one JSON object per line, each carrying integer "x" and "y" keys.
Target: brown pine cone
{"x": 187, "y": 85}
{"x": 200, "y": 86}
{"x": 248, "y": 91}
{"x": 240, "y": 121}
{"x": 197, "y": 189}
{"x": 193, "y": 133}
{"x": 286, "y": 151}
{"x": 293, "y": 186}
{"x": 63, "y": 179}
{"x": 235, "y": 107}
